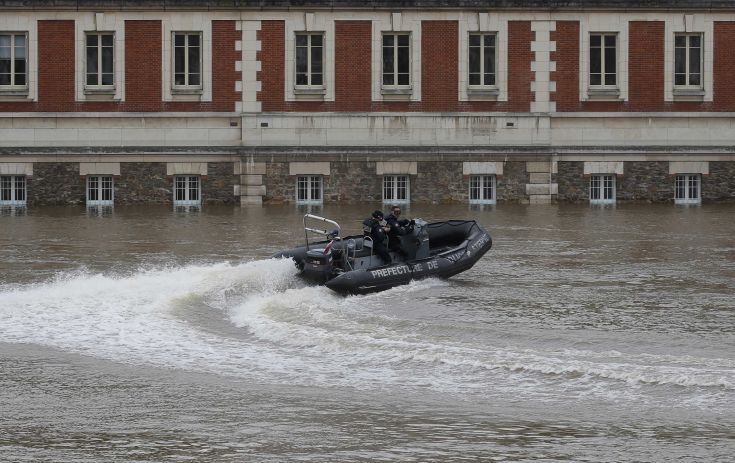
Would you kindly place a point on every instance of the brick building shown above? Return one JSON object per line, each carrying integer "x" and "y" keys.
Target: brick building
{"x": 249, "y": 102}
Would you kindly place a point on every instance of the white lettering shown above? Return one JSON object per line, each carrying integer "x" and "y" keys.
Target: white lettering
{"x": 432, "y": 265}
{"x": 480, "y": 242}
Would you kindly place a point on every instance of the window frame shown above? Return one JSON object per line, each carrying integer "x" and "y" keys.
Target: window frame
{"x": 187, "y": 189}
{"x": 13, "y": 86}
{"x": 687, "y": 57}
{"x": 187, "y": 86}
{"x": 13, "y": 190}
{"x": 481, "y": 188}
{"x": 686, "y": 187}
{"x": 309, "y": 182}
{"x": 603, "y": 85}
{"x": 394, "y": 189}
{"x": 395, "y": 73}
{"x": 600, "y": 185}
{"x": 309, "y": 63}
{"x": 100, "y": 71}
{"x": 99, "y": 190}
{"x": 482, "y": 85}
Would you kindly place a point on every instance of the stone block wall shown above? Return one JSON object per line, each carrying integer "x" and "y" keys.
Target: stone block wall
{"x": 573, "y": 185}
{"x": 645, "y": 181}
{"x": 511, "y": 186}
{"x": 440, "y": 183}
{"x": 279, "y": 186}
{"x": 55, "y": 184}
{"x": 719, "y": 185}
{"x": 143, "y": 183}
{"x": 217, "y": 188}
{"x": 354, "y": 181}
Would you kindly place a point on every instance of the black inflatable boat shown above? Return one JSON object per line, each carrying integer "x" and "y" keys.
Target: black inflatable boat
{"x": 348, "y": 265}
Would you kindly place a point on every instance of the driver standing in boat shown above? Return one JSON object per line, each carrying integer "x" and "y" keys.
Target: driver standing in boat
{"x": 397, "y": 228}
{"x": 377, "y": 228}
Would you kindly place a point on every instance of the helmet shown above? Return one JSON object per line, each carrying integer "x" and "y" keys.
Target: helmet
{"x": 378, "y": 214}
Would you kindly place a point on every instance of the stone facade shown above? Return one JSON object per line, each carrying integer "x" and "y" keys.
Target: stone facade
{"x": 719, "y": 185}
{"x": 354, "y": 181}
{"x": 143, "y": 183}
{"x": 573, "y": 185}
{"x": 511, "y": 186}
{"x": 645, "y": 181}
{"x": 440, "y": 182}
{"x": 55, "y": 183}
{"x": 217, "y": 188}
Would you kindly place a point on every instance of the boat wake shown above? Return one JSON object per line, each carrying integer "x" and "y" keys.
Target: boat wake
{"x": 256, "y": 320}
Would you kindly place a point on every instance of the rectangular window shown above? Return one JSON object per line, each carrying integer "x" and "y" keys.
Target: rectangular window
{"x": 395, "y": 189}
{"x": 482, "y": 62}
{"x": 396, "y": 60}
{"x": 309, "y": 59}
{"x": 100, "y": 60}
{"x": 688, "y": 189}
{"x": 688, "y": 60}
{"x": 309, "y": 189}
{"x": 13, "y": 61}
{"x": 602, "y": 189}
{"x": 603, "y": 60}
{"x": 12, "y": 190}
{"x": 187, "y": 191}
{"x": 188, "y": 59}
{"x": 100, "y": 191}
{"x": 482, "y": 189}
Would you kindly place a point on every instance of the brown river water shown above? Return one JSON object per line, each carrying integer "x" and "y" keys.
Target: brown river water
{"x": 151, "y": 334}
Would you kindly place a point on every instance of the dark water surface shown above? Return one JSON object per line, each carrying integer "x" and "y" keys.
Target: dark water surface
{"x": 150, "y": 334}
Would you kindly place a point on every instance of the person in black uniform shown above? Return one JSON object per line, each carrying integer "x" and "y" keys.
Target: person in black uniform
{"x": 376, "y": 228}
{"x": 397, "y": 227}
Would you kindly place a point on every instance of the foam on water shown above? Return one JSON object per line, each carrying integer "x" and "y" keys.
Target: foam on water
{"x": 299, "y": 334}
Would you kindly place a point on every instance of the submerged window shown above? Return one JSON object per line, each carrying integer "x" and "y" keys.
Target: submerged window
{"x": 482, "y": 189}
{"x": 12, "y": 190}
{"x": 395, "y": 188}
{"x": 100, "y": 191}
{"x": 309, "y": 189}
{"x": 602, "y": 189}
{"x": 187, "y": 190}
{"x": 688, "y": 189}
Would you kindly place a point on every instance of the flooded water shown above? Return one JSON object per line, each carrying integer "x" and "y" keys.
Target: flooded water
{"x": 149, "y": 334}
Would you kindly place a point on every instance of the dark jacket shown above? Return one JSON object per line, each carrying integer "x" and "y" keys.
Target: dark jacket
{"x": 397, "y": 227}
{"x": 372, "y": 227}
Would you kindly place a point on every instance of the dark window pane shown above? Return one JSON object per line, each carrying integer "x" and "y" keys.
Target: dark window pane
{"x": 595, "y": 61}
{"x": 475, "y": 40}
{"x": 194, "y": 79}
{"x": 5, "y": 66}
{"x": 475, "y": 79}
{"x": 179, "y": 40}
{"x": 403, "y": 60}
{"x": 301, "y": 40}
{"x": 92, "y": 66}
{"x": 179, "y": 60}
{"x": 695, "y": 41}
{"x": 694, "y": 61}
{"x": 610, "y": 79}
{"x": 4, "y": 78}
{"x": 20, "y": 47}
{"x": 694, "y": 79}
{"x": 680, "y": 61}
{"x": 489, "y": 61}
{"x": 595, "y": 40}
{"x": 489, "y": 78}
{"x": 387, "y": 60}
{"x": 316, "y": 79}
{"x": 4, "y": 53}
{"x": 489, "y": 40}
{"x": 403, "y": 40}
{"x": 388, "y": 79}
{"x": 302, "y": 79}
{"x": 316, "y": 60}
{"x": 194, "y": 40}
{"x": 20, "y": 76}
{"x": 194, "y": 60}
{"x": 609, "y": 41}
{"x": 107, "y": 40}
{"x": 679, "y": 79}
{"x": 610, "y": 61}
{"x": 180, "y": 79}
{"x": 595, "y": 79}
{"x": 387, "y": 40}
{"x": 404, "y": 79}
{"x": 475, "y": 59}
{"x": 91, "y": 40}
{"x": 107, "y": 59}
{"x": 106, "y": 79}
{"x": 680, "y": 41}
{"x": 4, "y": 41}
{"x": 316, "y": 40}
{"x": 302, "y": 63}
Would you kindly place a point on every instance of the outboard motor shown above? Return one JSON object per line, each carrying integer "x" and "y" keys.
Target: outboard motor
{"x": 318, "y": 265}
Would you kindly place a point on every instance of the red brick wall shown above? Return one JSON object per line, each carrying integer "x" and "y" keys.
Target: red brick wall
{"x": 645, "y": 65}
{"x": 724, "y": 66}
{"x": 566, "y": 57}
{"x": 520, "y": 76}
{"x": 143, "y": 61}
{"x": 352, "y": 49}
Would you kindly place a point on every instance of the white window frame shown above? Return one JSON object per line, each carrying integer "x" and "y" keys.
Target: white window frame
{"x": 483, "y": 183}
{"x": 603, "y": 53}
{"x": 687, "y": 60}
{"x": 687, "y": 181}
{"x": 395, "y": 47}
{"x": 603, "y": 189}
{"x": 99, "y": 46}
{"x": 97, "y": 187}
{"x": 482, "y": 85}
{"x": 394, "y": 189}
{"x": 13, "y": 86}
{"x": 9, "y": 183}
{"x": 309, "y": 71}
{"x": 307, "y": 184}
{"x": 187, "y": 190}
{"x": 187, "y": 75}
